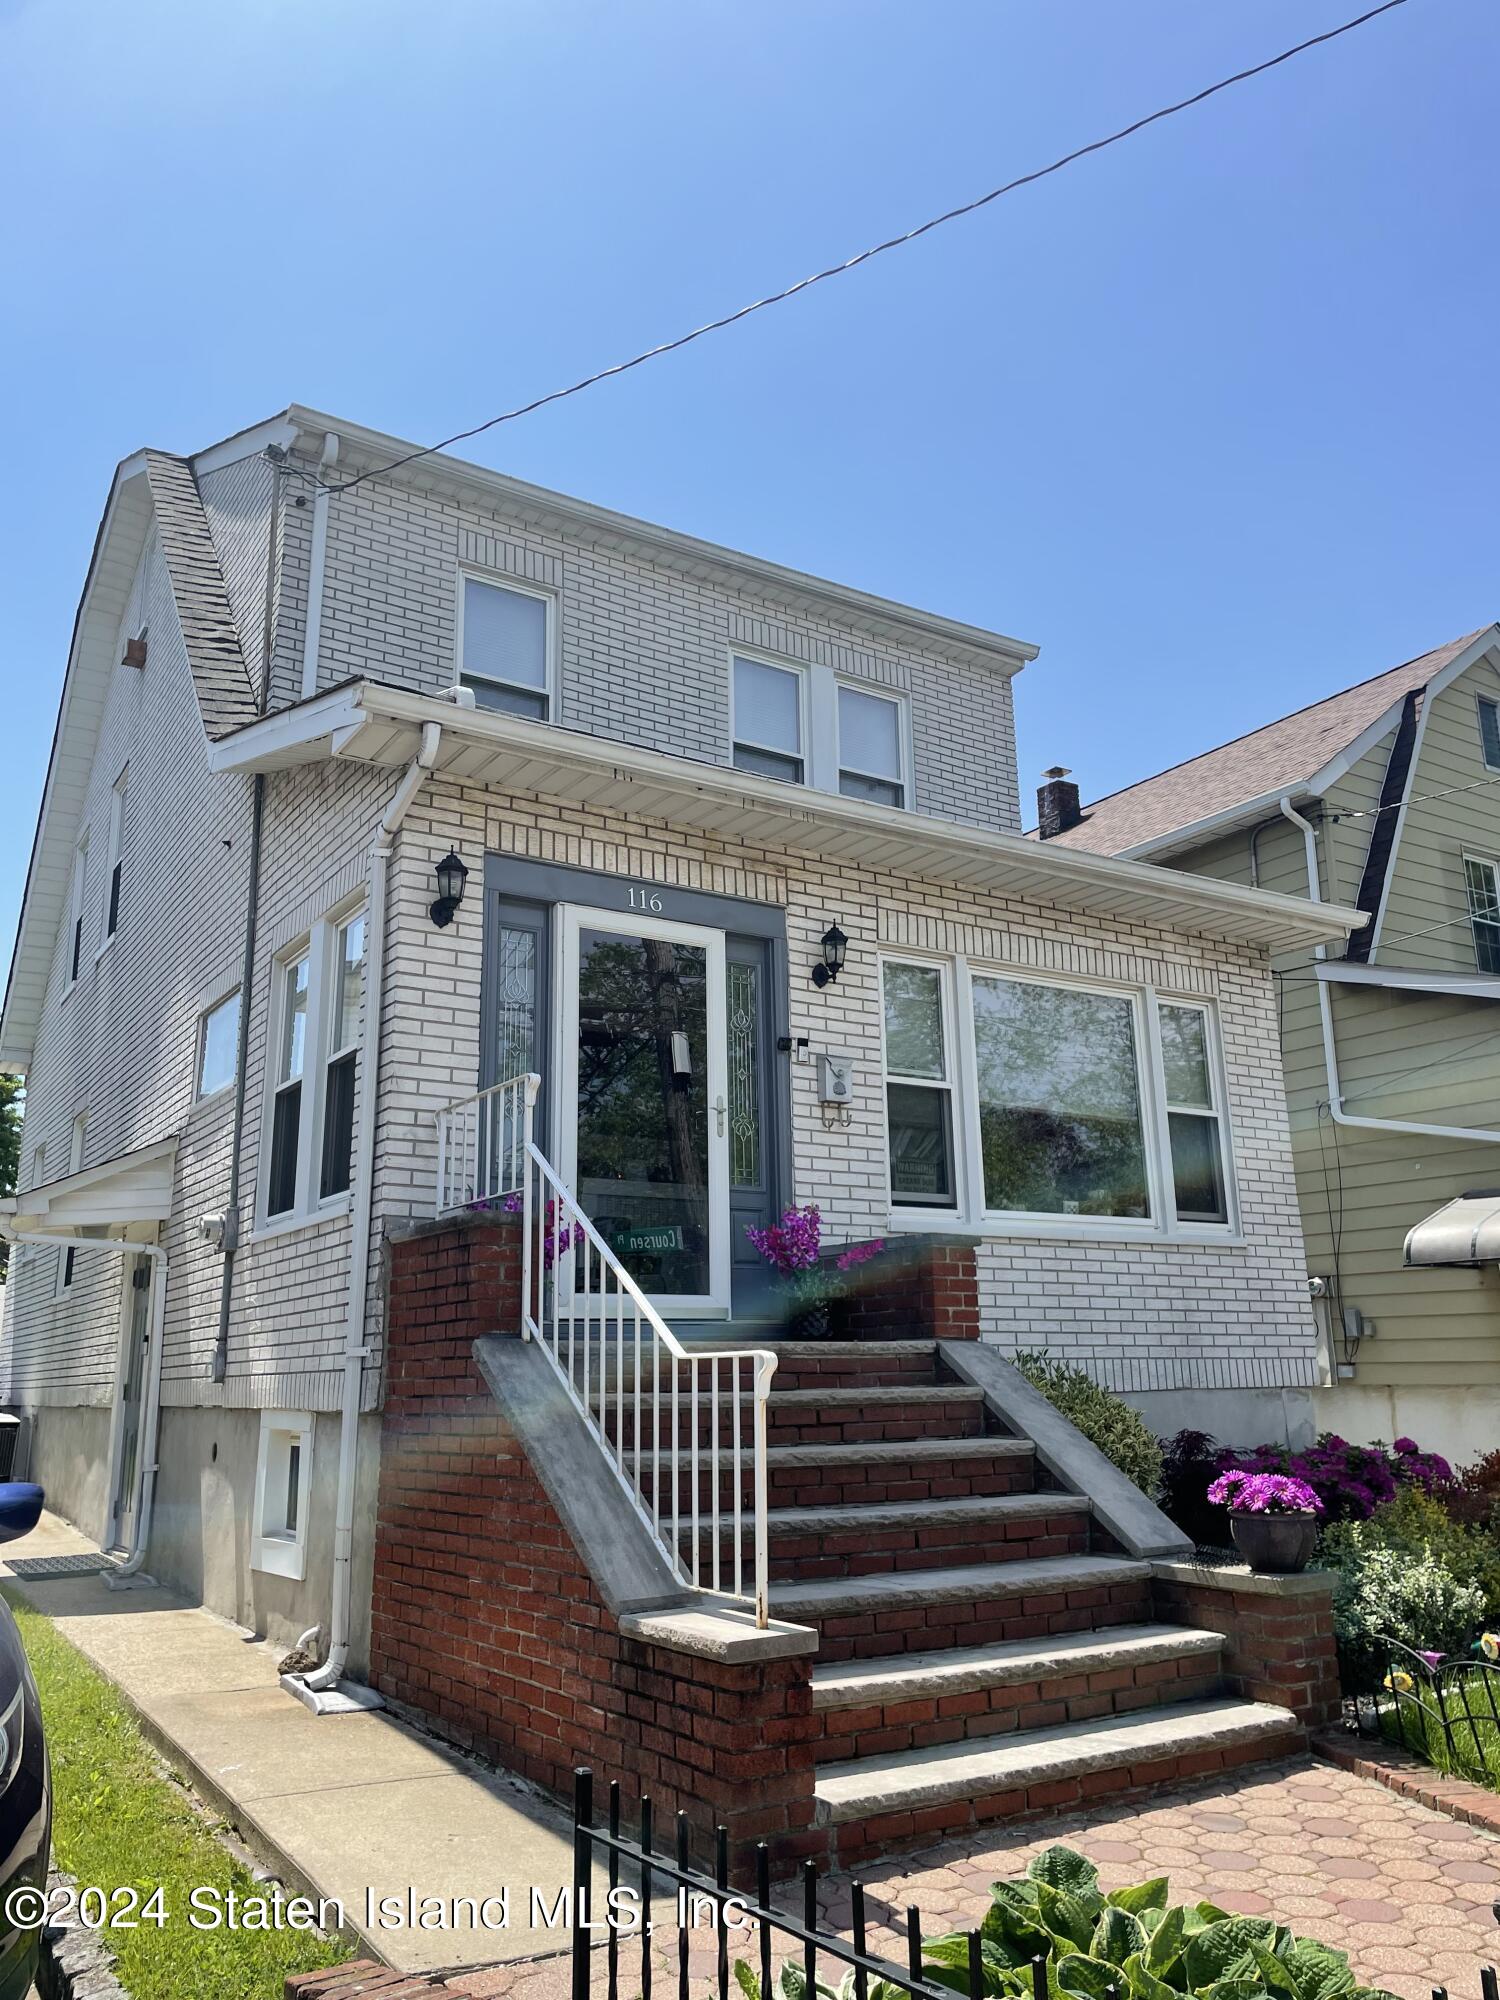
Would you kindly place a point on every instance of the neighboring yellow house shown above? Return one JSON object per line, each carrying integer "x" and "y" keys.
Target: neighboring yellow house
{"x": 1385, "y": 796}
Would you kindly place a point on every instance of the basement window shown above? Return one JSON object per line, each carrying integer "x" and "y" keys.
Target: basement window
{"x": 282, "y": 1486}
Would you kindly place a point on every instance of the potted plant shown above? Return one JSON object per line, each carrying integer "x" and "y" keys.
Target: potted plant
{"x": 1272, "y": 1517}
{"x": 808, "y": 1282}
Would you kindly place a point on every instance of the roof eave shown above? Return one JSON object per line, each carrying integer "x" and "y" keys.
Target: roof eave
{"x": 370, "y": 721}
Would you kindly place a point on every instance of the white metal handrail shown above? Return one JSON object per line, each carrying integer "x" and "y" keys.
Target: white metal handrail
{"x": 683, "y": 1433}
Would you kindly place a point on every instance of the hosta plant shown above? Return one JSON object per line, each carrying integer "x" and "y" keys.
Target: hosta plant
{"x": 1132, "y": 1942}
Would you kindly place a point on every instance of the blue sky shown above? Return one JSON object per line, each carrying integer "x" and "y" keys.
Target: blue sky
{"x": 1211, "y": 418}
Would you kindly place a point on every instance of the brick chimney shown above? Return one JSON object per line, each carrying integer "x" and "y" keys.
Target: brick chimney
{"x": 1057, "y": 805}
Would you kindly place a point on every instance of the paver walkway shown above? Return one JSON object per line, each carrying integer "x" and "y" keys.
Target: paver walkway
{"x": 1406, "y": 1892}
{"x": 334, "y": 1804}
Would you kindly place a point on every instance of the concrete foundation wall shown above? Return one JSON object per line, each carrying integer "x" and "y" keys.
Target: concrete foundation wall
{"x": 69, "y": 1456}
{"x": 1233, "y": 1416}
{"x": 1463, "y": 1424}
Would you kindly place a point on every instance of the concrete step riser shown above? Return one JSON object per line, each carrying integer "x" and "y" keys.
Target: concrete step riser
{"x": 936, "y": 1545}
{"x": 923, "y": 1722}
{"x": 872, "y": 1635}
{"x": 861, "y": 1840}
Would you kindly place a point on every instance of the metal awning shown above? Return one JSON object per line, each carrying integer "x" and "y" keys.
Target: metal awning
{"x": 1465, "y": 1231}
{"x": 132, "y": 1193}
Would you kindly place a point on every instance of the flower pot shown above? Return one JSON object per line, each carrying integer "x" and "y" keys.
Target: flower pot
{"x": 1277, "y": 1544}
{"x": 810, "y": 1322}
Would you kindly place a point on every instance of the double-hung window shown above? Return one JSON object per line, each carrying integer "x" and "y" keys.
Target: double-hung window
{"x": 286, "y": 1100}
{"x": 67, "y": 1259}
{"x": 116, "y": 858}
{"x": 317, "y": 1025}
{"x": 506, "y": 647}
{"x": 1489, "y": 731}
{"x": 1018, "y": 1100}
{"x": 339, "y": 1070}
{"x": 872, "y": 746}
{"x": 770, "y": 720}
{"x": 75, "y": 917}
{"x": 919, "y": 1086}
{"x": 1483, "y": 885}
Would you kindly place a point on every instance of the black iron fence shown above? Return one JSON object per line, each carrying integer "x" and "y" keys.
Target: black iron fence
{"x": 1446, "y": 1710}
{"x": 769, "y": 1938}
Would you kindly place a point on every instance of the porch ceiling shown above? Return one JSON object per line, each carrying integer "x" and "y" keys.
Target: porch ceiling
{"x": 370, "y": 722}
{"x": 133, "y": 1189}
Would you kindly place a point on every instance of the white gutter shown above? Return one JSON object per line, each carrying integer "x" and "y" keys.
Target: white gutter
{"x": 145, "y": 1492}
{"x": 316, "y": 563}
{"x": 325, "y": 1678}
{"x": 1476, "y": 1135}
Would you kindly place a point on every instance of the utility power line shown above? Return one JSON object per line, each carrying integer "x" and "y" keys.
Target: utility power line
{"x": 862, "y": 256}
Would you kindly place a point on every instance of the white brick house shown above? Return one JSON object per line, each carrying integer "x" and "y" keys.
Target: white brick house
{"x": 657, "y": 744}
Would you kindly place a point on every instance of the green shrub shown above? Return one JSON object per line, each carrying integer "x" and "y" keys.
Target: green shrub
{"x": 1120, "y": 1432}
{"x": 1416, "y": 1522}
{"x": 1396, "y": 1593}
{"x": 1132, "y": 1939}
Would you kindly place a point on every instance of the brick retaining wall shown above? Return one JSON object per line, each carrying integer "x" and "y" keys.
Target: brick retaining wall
{"x": 1278, "y": 1632}
{"x": 487, "y": 1625}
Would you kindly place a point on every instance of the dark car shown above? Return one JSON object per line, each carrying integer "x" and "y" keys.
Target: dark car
{"x": 25, "y": 1778}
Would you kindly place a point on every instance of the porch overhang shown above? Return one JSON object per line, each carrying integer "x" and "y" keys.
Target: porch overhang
{"x": 371, "y": 722}
{"x": 131, "y": 1194}
{"x": 1463, "y": 1232}
{"x": 1411, "y": 979}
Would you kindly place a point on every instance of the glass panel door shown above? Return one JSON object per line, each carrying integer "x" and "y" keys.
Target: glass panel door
{"x": 645, "y": 1116}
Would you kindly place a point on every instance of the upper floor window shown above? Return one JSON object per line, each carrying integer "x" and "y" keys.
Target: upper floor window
{"x": 318, "y": 1020}
{"x": 806, "y": 726}
{"x": 75, "y": 911}
{"x": 1483, "y": 885}
{"x": 769, "y": 720}
{"x": 872, "y": 746}
{"x": 116, "y": 857}
{"x": 68, "y": 1258}
{"x": 505, "y": 648}
{"x": 218, "y": 1046}
{"x": 1489, "y": 731}
{"x": 1038, "y": 1100}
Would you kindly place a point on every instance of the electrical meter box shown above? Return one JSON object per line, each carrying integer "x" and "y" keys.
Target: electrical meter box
{"x": 835, "y": 1079}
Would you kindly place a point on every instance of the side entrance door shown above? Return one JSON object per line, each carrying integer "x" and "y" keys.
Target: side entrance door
{"x": 132, "y": 1382}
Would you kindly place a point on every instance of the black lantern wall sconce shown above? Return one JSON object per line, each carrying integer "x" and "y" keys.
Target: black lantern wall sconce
{"x": 451, "y": 877}
{"x": 835, "y": 949}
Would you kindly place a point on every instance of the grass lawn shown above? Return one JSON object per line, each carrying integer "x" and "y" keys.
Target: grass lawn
{"x": 1469, "y": 1747}
{"x": 118, "y": 1822}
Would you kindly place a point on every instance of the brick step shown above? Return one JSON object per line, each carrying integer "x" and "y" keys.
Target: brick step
{"x": 917, "y": 1794}
{"x": 917, "y": 1473}
{"x": 870, "y": 1617}
{"x": 913, "y": 1701}
{"x": 809, "y": 1542}
{"x": 808, "y": 1416}
{"x": 871, "y": 1364}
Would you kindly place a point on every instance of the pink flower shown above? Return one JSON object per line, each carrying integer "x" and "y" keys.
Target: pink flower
{"x": 1264, "y": 1493}
{"x": 859, "y": 1253}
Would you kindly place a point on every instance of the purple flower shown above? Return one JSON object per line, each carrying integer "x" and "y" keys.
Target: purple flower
{"x": 1264, "y": 1493}
{"x": 792, "y": 1244}
{"x": 859, "y": 1253}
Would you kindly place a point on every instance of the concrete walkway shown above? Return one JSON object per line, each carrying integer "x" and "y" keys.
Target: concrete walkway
{"x": 336, "y": 1806}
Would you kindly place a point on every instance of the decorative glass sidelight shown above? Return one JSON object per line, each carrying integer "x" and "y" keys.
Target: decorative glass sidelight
{"x": 743, "y": 1001}
{"x": 515, "y": 1002}
{"x": 643, "y": 1106}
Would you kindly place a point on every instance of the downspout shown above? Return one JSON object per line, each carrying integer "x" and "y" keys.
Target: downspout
{"x": 145, "y": 1493}
{"x": 220, "y": 1364}
{"x": 1471, "y": 1134}
{"x": 316, "y": 561}
{"x": 361, "y": 1216}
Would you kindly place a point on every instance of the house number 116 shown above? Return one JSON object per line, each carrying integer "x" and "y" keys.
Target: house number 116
{"x": 645, "y": 899}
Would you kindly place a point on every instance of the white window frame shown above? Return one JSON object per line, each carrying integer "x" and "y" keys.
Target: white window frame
{"x": 805, "y": 731}
{"x": 73, "y": 944}
{"x": 66, "y": 1261}
{"x": 200, "y": 1095}
{"x": 1486, "y": 861}
{"x": 901, "y": 702}
{"x": 1481, "y": 702}
{"x": 494, "y": 581}
{"x": 971, "y": 1216}
{"x": 818, "y": 720}
{"x": 925, "y": 1213}
{"x": 282, "y": 1551}
{"x": 332, "y": 1052}
{"x": 1191, "y": 1227}
{"x": 319, "y": 946}
{"x": 114, "y": 859}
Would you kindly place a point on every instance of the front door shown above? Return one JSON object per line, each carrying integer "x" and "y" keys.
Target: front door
{"x": 644, "y": 1115}
{"x": 132, "y": 1382}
